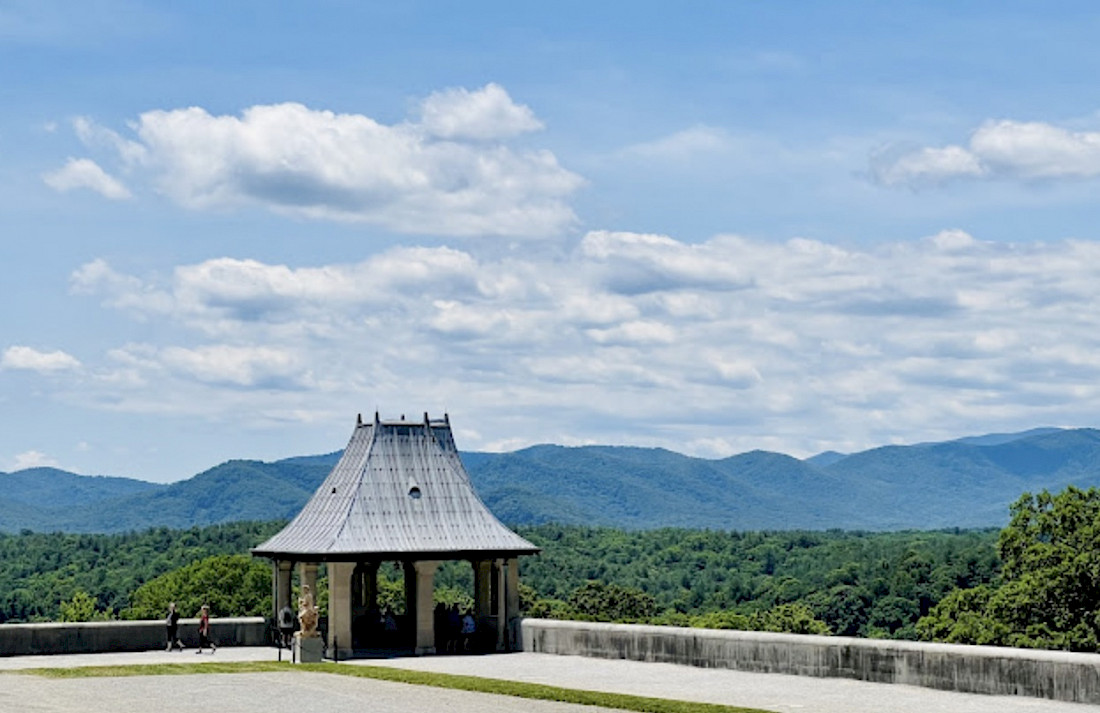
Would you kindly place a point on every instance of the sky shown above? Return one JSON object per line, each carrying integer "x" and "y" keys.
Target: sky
{"x": 226, "y": 229}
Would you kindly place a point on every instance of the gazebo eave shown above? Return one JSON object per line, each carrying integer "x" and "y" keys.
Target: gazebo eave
{"x": 393, "y": 555}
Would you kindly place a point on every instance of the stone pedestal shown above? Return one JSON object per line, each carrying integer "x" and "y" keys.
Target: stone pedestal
{"x": 308, "y": 649}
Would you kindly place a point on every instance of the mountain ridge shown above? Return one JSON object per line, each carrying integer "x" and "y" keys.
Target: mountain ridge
{"x": 968, "y": 482}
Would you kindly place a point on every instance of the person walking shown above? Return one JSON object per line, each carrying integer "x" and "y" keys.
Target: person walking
{"x": 204, "y": 630}
{"x": 286, "y": 626}
{"x": 172, "y": 623}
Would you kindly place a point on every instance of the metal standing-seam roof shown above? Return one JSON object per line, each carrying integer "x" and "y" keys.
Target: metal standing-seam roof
{"x": 399, "y": 489}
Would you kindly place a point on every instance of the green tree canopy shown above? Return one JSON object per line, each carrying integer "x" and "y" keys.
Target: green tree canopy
{"x": 611, "y": 602}
{"x": 1050, "y": 597}
{"x": 82, "y": 607}
{"x": 233, "y": 585}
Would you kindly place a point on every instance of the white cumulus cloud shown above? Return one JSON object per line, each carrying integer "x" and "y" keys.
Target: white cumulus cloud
{"x": 631, "y": 337}
{"x": 33, "y": 459}
{"x": 997, "y": 149}
{"x": 29, "y": 358}
{"x": 450, "y": 173}
{"x": 484, "y": 114}
{"x": 1037, "y": 150}
{"x": 235, "y": 365}
{"x": 930, "y": 165}
{"x": 85, "y": 173}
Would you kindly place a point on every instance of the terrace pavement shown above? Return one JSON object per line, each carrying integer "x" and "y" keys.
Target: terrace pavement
{"x": 282, "y": 693}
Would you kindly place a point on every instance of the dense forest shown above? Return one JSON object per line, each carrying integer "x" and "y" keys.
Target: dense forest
{"x": 38, "y": 572}
{"x": 1032, "y": 584}
{"x": 857, "y": 584}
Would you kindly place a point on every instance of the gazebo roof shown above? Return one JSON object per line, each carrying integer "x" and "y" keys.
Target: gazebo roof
{"x": 399, "y": 491}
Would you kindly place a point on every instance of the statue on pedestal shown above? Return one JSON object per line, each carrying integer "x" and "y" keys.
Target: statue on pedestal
{"x": 308, "y": 613}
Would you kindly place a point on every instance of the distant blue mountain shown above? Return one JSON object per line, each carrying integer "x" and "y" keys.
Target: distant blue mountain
{"x": 997, "y": 439}
{"x": 50, "y": 487}
{"x": 825, "y": 458}
{"x": 968, "y": 482}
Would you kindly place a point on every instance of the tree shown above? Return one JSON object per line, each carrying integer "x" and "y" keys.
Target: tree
{"x": 789, "y": 618}
{"x": 611, "y": 602}
{"x": 1051, "y": 594}
{"x": 233, "y": 585}
{"x": 82, "y": 607}
{"x": 844, "y": 608}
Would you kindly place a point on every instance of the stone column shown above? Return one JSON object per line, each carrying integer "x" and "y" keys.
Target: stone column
{"x": 275, "y": 590}
{"x": 502, "y": 609}
{"x": 283, "y": 595}
{"x": 372, "y": 585}
{"x": 410, "y": 599}
{"x": 421, "y": 613}
{"x": 483, "y": 592}
{"x": 511, "y": 599}
{"x": 339, "y": 607}
{"x": 307, "y": 574}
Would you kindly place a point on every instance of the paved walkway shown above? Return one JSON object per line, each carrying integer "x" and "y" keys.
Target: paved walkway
{"x": 280, "y": 693}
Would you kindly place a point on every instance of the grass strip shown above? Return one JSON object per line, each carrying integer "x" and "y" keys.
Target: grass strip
{"x": 156, "y": 669}
{"x": 519, "y": 689}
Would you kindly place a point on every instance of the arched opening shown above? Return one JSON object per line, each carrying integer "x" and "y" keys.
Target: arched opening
{"x": 464, "y": 612}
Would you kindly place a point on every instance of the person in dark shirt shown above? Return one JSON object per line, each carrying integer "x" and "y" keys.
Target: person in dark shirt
{"x": 286, "y": 625}
{"x": 172, "y": 623}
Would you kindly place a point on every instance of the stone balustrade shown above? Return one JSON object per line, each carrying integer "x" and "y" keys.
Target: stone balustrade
{"x": 1058, "y": 675}
{"x": 102, "y": 636}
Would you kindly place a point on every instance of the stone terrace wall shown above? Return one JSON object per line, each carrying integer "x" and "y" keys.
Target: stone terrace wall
{"x": 1057, "y": 675}
{"x": 103, "y": 636}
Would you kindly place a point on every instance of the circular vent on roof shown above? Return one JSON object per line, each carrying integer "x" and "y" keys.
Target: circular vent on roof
{"x": 414, "y": 493}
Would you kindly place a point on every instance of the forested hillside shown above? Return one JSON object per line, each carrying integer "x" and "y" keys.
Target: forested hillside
{"x": 40, "y": 571}
{"x": 859, "y": 584}
{"x": 865, "y": 584}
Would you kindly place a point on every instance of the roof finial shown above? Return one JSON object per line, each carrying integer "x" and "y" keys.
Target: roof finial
{"x": 376, "y": 419}
{"x": 427, "y": 421}
{"x": 359, "y": 419}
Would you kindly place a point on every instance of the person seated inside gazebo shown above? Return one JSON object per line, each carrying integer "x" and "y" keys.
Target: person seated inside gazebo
{"x": 468, "y": 630}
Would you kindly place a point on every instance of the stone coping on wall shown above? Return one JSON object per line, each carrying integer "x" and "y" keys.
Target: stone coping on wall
{"x": 123, "y": 635}
{"x": 1058, "y": 675}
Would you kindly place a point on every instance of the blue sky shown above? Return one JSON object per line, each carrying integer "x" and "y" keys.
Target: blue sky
{"x": 710, "y": 227}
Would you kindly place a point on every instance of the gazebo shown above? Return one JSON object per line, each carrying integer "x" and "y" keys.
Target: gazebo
{"x": 398, "y": 494}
